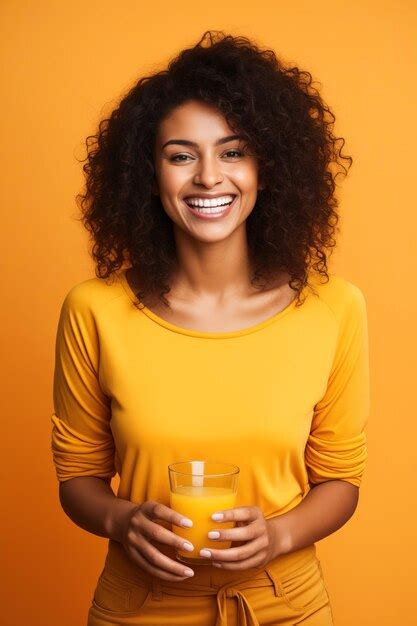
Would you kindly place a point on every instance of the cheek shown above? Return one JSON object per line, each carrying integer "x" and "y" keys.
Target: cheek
{"x": 171, "y": 177}
{"x": 170, "y": 184}
{"x": 247, "y": 179}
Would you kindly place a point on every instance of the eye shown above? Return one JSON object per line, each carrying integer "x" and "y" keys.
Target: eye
{"x": 177, "y": 157}
{"x": 238, "y": 152}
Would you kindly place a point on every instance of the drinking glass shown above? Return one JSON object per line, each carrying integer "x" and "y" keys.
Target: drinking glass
{"x": 197, "y": 490}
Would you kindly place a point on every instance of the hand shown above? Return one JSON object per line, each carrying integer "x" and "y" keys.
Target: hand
{"x": 256, "y": 538}
{"x": 140, "y": 531}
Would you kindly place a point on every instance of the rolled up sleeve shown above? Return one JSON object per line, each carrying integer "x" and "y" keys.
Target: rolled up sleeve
{"x": 336, "y": 448}
{"x": 82, "y": 443}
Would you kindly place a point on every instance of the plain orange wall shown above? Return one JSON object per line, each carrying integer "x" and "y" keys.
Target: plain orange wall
{"x": 64, "y": 66}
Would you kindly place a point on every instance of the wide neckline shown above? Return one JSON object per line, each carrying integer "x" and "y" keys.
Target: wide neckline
{"x": 203, "y": 333}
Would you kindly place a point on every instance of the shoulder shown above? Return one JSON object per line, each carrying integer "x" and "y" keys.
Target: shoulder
{"x": 92, "y": 296}
{"x": 342, "y": 297}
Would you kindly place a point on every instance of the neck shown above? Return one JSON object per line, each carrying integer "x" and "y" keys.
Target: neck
{"x": 217, "y": 271}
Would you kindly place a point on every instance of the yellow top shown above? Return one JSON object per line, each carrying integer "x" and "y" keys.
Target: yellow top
{"x": 286, "y": 400}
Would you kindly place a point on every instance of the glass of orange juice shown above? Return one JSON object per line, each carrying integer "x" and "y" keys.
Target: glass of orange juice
{"x": 197, "y": 490}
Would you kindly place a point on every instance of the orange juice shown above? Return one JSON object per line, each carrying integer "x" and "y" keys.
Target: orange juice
{"x": 198, "y": 503}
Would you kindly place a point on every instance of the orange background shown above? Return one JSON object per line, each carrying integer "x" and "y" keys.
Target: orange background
{"x": 64, "y": 66}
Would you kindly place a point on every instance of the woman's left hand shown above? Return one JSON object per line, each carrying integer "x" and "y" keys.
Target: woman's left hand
{"x": 256, "y": 537}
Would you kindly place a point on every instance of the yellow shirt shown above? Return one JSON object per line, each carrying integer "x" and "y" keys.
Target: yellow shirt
{"x": 286, "y": 400}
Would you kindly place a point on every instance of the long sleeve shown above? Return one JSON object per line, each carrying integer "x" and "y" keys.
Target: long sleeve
{"x": 82, "y": 442}
{"x": 336, "y": 447}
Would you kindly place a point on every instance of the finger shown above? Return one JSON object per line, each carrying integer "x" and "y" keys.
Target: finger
{"x": 236, "y": 554}
{"x": 158, "y": 511}
{"x": 138, "y": 558}
{"x": 238, "y": 514}
{"x": 155, "y": 561}
{"x": 156, "y": 533}
{"x": 239, "y": 533}
{"x": 162, "y": 561}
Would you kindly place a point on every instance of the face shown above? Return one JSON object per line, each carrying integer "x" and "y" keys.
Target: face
{"x": 200, "y": 161}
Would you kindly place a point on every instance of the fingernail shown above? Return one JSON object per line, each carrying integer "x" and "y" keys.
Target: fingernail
{"x": 188, "y": 572}
{"x": 205, "y": 553}
{"x": 186, "y": 522}
{"x": 217, "y": 516}
{"x": 213, "y": 534}
{"x": 188, "y": 546}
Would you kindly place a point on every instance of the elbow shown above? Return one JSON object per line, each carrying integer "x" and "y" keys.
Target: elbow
{"x": 65, "y": 489}
{"x": 345, "y": 494}
{"x": 350, "y": 496}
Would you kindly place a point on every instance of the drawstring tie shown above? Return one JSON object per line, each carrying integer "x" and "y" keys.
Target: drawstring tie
{"x": 246, "y": 616}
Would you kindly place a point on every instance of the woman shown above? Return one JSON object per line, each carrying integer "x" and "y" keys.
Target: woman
{"x": 214, "y": 180}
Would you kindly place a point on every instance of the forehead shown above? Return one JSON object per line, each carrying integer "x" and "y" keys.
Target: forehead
{"x": 193, "y": 120}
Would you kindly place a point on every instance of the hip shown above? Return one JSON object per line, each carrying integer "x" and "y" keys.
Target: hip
{"x": 290, "y": 587}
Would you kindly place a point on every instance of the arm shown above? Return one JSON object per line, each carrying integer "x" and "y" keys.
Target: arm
{"x": 336, "y": 450}
{"x": 82, "y": 442}
{"x": 326, "y": 508}
{"x": 91, "y": 504}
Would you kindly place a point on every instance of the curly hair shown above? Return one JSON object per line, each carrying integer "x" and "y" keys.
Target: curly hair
{"x": 279, "y": 114}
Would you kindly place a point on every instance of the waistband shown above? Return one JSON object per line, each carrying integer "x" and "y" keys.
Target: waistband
{"x": 209, "y": 580}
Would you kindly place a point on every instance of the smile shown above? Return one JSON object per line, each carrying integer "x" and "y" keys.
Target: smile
{"x": 208, "y": 209}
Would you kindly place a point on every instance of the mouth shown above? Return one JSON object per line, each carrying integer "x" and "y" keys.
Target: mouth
{"x": 211, "y": 213}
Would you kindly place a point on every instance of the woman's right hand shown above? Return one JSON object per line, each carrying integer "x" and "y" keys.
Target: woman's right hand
{"x": 139, "y": 532}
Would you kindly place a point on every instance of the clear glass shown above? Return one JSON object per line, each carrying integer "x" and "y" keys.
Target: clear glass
{"x": 197, "y": 490}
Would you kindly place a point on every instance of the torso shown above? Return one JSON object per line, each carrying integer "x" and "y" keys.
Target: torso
{"x": 201, "y": 315}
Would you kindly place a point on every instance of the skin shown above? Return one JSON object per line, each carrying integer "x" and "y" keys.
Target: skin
{"x": 212, "y": 255}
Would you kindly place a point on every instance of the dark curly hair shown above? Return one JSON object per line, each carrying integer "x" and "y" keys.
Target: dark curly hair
{"x": 281, "y": 117}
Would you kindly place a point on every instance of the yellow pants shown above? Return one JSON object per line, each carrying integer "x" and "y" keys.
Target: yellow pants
{"x": 289, "y": 590}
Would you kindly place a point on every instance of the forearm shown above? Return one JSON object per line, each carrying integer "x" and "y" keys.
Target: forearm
{"x": 326, "y": 508}
{"x": 91, "y": 504}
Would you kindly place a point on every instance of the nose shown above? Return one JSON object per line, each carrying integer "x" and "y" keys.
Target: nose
{"x": 208, "y": 172}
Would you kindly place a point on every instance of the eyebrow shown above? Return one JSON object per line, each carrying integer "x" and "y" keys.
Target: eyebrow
{"x": 185, "y": 142}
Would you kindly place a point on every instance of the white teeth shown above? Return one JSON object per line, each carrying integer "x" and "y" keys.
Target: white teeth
{"x": 205, "y": 202}
{"x": 212, "y": 210}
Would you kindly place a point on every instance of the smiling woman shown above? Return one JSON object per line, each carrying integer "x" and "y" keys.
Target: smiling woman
{"x": 210, "y": 198}
{"x": 223, "y": 115}
{"x": 208, "y": 192}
